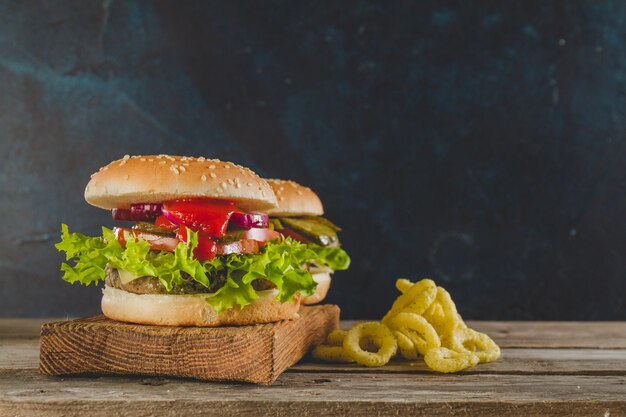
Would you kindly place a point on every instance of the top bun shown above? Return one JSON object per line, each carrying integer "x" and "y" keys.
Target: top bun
{"x": 294, "y": 199}
{"x": 158, "y": 178}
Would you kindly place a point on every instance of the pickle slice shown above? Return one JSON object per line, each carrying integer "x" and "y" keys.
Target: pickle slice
{"x": 152, "y": 228}
{"x": 318, "y": 232}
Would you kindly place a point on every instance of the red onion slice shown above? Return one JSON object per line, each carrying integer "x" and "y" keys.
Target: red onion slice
{"x": 250, "y": 220}
{"x": 146, "y": 212}
{"x": 121, "y": 214}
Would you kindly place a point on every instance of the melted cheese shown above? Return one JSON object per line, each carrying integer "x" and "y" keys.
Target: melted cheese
{"x": 126, "y": 276}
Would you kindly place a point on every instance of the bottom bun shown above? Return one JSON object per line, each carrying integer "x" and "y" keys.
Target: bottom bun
{"x": 192, "y": 310}
{"x": 323, "y": 284}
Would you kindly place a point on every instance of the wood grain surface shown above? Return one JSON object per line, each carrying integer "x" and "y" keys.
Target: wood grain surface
{"x": 529, "y": 380}
{"x": 556, "y": 334}
{"x": 318, "y": 393}
{"x": 255, "y": 354}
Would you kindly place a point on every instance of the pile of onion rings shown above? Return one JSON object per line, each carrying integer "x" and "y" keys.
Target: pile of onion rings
{"x": 423, "y": 321}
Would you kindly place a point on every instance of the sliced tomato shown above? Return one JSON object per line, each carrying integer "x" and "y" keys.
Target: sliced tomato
{"x": 261, "y": 235}
{"x": 165, "y": 224}
{"x": 208, "y": 215}
{"x": 157, "y": 242}
{"x": 243, "y": 246}
{"x": 294, "y": 235}
{"x": 206, "y": 249}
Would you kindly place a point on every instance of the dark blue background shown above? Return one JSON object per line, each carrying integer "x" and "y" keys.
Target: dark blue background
{"x": 478, "y": 143}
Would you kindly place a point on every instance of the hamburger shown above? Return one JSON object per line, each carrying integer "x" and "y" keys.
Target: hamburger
{"x": 299, "y": 216}
{"x": 194, "y": 246}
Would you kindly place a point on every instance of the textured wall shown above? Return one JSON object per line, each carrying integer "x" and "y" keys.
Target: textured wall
{"x": 481, "y": 144}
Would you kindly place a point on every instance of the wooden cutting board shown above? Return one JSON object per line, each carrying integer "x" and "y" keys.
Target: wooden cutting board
{"x": 258, "y": 354}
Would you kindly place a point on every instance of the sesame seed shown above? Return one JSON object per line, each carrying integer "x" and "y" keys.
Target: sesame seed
{"x": 126, "y": 176}
{"x": 249, "y": 184}
{"x": 184, "y": 158}
{"x": 213, "y": 175}
{"x": 220, "y": 190}
{"x": 159, "y": 156}
{"x": 211, "y": 166}
{"x": 230, "y": 181}
{"x": 203, "y": 178}
{"x": 201, "y": 159}
{"x": 150, "y": 160}
{"x": 227, "y": 166}
{"x": 282, "y": 199}
{"x": 126, "y": 156}
{"x": 238, "y": 185}
{"x": 174, "y": 169}
{"x": 142, "y": 159}
{"x": 182, "y": 168}
{"x": 105, "y": 168}
{"x": 161, "y": 162}
{"x": 300, "y": 192}
{"x": 122, "y": 162}
{"x": 281, "y": 188}
{"x": 223, "y": 184}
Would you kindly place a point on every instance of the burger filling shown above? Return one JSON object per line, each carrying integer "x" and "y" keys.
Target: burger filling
{"x": 204, "y": 246}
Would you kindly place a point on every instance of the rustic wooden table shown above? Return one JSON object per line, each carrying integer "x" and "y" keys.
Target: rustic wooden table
{"x": 547, "y": 368}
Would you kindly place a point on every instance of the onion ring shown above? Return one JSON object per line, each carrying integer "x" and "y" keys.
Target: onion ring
{"x": 379, "y": 334}
{"x": 416, "y": 299}
{"x": 445, "y": 360}
{"x": 417, "y": 329}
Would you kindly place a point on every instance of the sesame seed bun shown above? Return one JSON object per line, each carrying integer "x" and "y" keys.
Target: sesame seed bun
{"x": 158, "y": 178}
{"x": 294, "y": 199}
{"x": 192, "y": 310}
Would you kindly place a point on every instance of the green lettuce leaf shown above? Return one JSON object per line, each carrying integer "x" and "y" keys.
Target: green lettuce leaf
{"x": 278, "y": 262}
{"x": 90, "y": 255}
{"x": 333, "y": 257}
